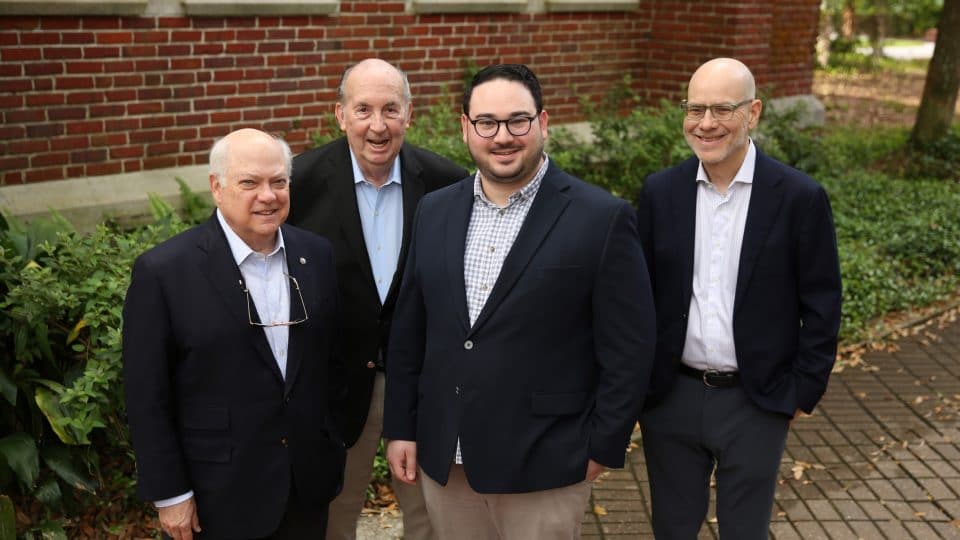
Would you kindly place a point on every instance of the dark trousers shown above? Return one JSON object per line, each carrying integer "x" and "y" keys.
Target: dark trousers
{"x": 696, "y": 429}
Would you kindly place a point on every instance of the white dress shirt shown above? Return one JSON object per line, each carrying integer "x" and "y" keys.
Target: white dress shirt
{"x": 721, "y": 220}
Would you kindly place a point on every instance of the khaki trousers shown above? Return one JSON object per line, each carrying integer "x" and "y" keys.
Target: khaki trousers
{"x": 460, "y": 513}
{"x": 346, "y": 508}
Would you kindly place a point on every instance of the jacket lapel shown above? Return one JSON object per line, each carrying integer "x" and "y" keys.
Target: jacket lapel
{"x": 225, "y": 278}
{"x": 684, "y": 206}
{"x": 765, "y": 197}
{"x": 455, "y": 242}
{"x": 296, "y": 340}
{"x": 344, "y": 192}
{"x": 548, "y": 204}
{"x": 413, "y": 188}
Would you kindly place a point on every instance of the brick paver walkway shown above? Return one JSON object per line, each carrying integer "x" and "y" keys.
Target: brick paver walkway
{"x": 879, "y": 458}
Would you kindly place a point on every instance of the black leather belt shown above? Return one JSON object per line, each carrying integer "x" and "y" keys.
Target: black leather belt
{"x": 711, "y": 377}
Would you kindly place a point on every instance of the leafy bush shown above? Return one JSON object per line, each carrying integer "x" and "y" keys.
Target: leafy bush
{"x": 60, "y": 356}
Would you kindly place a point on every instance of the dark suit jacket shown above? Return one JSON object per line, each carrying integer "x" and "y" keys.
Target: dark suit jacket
{"x": 554, "y": 370}
{"x": 786, "y": 311}
{"x": 324, "y": 201}
{"x": 208, "y": 408}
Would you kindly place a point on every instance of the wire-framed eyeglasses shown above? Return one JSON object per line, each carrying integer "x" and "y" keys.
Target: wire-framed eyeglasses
{"x": 303, "y": 307}
{"x": 720, "y": 111}
{"x": 488, "y": 128}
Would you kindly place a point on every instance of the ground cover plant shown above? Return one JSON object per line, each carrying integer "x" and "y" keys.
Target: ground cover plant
{"x": 65, "y": 464}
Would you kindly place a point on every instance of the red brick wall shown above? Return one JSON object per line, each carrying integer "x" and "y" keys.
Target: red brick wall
{"x": 86, "y": 96}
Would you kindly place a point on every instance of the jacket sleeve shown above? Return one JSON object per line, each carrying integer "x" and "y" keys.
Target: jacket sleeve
{"x": 148, "y": 354}
{"x": 819, "y": 292}
{"x": 624, "y": 326}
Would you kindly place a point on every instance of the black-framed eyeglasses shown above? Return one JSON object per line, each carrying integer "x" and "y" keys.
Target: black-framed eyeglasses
{"x": 488, "y": 128}
{"x": 720, "y": 111}
{"x": 303, "y": 307}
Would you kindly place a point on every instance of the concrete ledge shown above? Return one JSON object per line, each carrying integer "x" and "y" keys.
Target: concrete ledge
{"x": 812, "y": 110}
{"x": 469, "y": 6}
{"x": 86, "y": 202}
{"x": 216, "y": 8}
{"x": 72, "y": 7}
{"x": 558, "y": 6}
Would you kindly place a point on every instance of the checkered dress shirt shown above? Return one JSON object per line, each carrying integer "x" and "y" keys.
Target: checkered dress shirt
{"x": 490, "y": 236}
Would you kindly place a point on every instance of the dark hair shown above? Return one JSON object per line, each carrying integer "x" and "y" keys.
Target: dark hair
{"x": 511, "y": 72}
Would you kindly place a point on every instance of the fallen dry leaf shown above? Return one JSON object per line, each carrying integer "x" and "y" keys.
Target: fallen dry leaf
{"x": 599, "y": 510}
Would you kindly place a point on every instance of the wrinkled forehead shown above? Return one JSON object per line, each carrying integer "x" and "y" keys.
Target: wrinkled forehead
{"x": 262, "y": 160}
{"x": 374, "y": 86}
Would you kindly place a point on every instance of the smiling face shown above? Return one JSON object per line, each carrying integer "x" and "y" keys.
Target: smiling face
{"x": 252, "y": 191}
{"x": 374, "y": 112}
{"x": 505, "y": 159}
{"x": 722, "y": 145}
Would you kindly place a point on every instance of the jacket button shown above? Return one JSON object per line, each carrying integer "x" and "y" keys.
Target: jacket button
{"x": 468, "y": 344}
{"x": 284, "y": 442}
{"x": 371, "y": 365}
{"x": 457, "y": 390}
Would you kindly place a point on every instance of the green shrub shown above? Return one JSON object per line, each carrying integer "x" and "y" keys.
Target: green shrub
{"x": 60, "y": 359}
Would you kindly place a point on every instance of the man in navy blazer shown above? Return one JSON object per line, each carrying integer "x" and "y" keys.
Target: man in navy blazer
{"x": 226, "y": 344}
{"x": 743, "y": 260}
{"x": 360, "y": 192}
{"x": 523, "y": 333}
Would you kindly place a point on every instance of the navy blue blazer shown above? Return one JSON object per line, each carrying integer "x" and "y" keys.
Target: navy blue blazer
{"x": 554, "y": 370}
{"x": 786, "y": 312}
{"x": 207, "y": 405}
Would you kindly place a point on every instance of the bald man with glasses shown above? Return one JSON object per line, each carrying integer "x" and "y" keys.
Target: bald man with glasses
{"x": 743, "y": 260}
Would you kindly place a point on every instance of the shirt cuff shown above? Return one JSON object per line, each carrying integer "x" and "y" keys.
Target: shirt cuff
{"x": 173, "y": 500}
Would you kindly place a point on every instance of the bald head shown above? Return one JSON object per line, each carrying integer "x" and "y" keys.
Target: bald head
{"x": 725, "y": 75}
{"x": 373, "y": 71}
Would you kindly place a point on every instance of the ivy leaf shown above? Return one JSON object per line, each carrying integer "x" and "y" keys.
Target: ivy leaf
{"x": 60, "y": 461}
{"x": 20, "y": 451}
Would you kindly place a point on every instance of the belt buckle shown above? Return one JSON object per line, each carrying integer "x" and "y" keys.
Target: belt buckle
{"x": 709, "y": 373}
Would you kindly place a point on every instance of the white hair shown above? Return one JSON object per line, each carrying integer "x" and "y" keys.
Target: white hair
{"x": 220, "y": 157}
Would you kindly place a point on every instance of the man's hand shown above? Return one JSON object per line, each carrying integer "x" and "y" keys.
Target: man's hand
{"x": 594, "y": 470}
{"x": 180, "y": 521}
{"x": 402, "y": 457}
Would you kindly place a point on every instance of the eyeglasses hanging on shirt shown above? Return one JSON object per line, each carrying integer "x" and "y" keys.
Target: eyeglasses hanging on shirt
{"x": 295, "y": 320}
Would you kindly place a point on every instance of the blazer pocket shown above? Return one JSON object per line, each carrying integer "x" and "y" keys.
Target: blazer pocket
{"x": 205, "y": 418}
{"x": 558, "y": 404}
{"x": 207, "y": 450}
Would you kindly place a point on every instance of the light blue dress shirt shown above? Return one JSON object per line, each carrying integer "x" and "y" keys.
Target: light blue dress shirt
{"x": 381, "y": 216}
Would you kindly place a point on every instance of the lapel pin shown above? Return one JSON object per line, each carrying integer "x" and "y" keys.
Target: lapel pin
{"x": 303, "y": 260}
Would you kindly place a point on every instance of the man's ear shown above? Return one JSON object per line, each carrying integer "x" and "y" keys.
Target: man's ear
{"x": 216, "y": 190}
{"x": 339, "y": 113}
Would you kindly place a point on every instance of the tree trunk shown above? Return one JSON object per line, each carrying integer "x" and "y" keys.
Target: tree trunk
{"x": 823, "y": 39}
{"x": 939, "y": 99}
{"x": 848, "y": 29}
